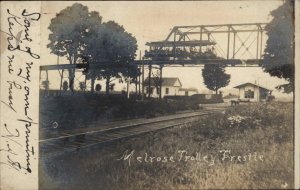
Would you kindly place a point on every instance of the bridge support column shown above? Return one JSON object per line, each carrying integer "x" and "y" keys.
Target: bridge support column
{"x": 128, "y": 85}
{"x": 233, "y": 53}
{"x": 46, "y": 75}
{"x": 174, "y": 46}
{"x": 47, "y": 80}
{"x": 143, "y": 79}
{"x": 149, "y": 81}
{"x": 261, "y": 39}
{"x": 201, "y": 32}
{"x": 228, "y": 42}
{"x": 61, "y": 80}
{"x": 139, "y": 77}
{"x": 160, "y": 81}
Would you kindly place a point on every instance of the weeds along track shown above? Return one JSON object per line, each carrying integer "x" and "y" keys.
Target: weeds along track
{"x": 71, "y": 142}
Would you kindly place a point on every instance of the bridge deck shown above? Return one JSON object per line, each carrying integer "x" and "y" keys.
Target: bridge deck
{"x": 226, "y": 62}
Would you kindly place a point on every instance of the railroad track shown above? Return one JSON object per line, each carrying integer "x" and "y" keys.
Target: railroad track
{"x": 70, "y": 142}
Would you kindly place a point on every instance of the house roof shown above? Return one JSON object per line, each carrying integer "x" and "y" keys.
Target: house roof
{"x": 188, "y": 89}
{"x": 165, "y": 81}
{"x": 251, "y": 84}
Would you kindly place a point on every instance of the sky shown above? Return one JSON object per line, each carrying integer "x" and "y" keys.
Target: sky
{"x": 152, "y": 21}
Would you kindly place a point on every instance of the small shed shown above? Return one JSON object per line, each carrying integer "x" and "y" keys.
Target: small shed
{"x": 252, "y": 92}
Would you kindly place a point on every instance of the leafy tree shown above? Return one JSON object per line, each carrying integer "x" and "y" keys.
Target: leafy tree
{"x": 215, "y": 77}
{"x": 69, "y": 30}
{"x": 113, "y": 49}
{"x": 120, "y": 51}
{"x": 278, "y": 55}
{"x": 93, "y": 54}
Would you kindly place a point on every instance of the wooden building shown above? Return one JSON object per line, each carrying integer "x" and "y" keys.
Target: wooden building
{"x": 170, "y": 87}
{"x": 252, "y": 92}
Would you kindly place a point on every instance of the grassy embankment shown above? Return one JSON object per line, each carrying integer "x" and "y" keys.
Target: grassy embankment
{"x": 258, "y": 129}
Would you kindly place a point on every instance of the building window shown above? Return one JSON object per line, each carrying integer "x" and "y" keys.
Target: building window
{"x": 249, "y": 94}
{"x": 167, "y": 90}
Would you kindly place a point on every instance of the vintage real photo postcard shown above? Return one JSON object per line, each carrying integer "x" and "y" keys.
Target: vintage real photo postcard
{"x": 149, "y": 95}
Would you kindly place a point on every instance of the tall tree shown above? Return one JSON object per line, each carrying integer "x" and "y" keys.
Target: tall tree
{"x": 121, "y": 50}
{"x": 279, "y": 55}
{"x": 113, "y": 49}
{"x": 215, "y": 77}
{"x": 93, "y": 54}
{"x": 68, "y": 33}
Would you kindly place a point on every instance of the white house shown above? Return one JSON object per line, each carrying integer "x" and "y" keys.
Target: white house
{"x": 170, "y": 87}
{"x": 187, "y": 91}
{"x": 252, "y": 92}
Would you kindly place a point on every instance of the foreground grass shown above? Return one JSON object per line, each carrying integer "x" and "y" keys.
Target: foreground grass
{"x": 262, "y": 130}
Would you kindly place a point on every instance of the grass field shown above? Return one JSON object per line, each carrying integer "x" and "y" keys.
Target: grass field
{"x": 247, "y": 147}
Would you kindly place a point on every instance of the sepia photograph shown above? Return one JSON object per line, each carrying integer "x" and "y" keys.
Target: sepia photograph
{"x": 150, "y": 94}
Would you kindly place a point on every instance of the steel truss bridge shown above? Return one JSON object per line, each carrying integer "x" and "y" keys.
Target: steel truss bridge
{"x": 193, "y": 46}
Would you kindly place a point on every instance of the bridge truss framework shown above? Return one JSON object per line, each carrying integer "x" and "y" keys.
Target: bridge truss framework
{"x": 184, "y": 36}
